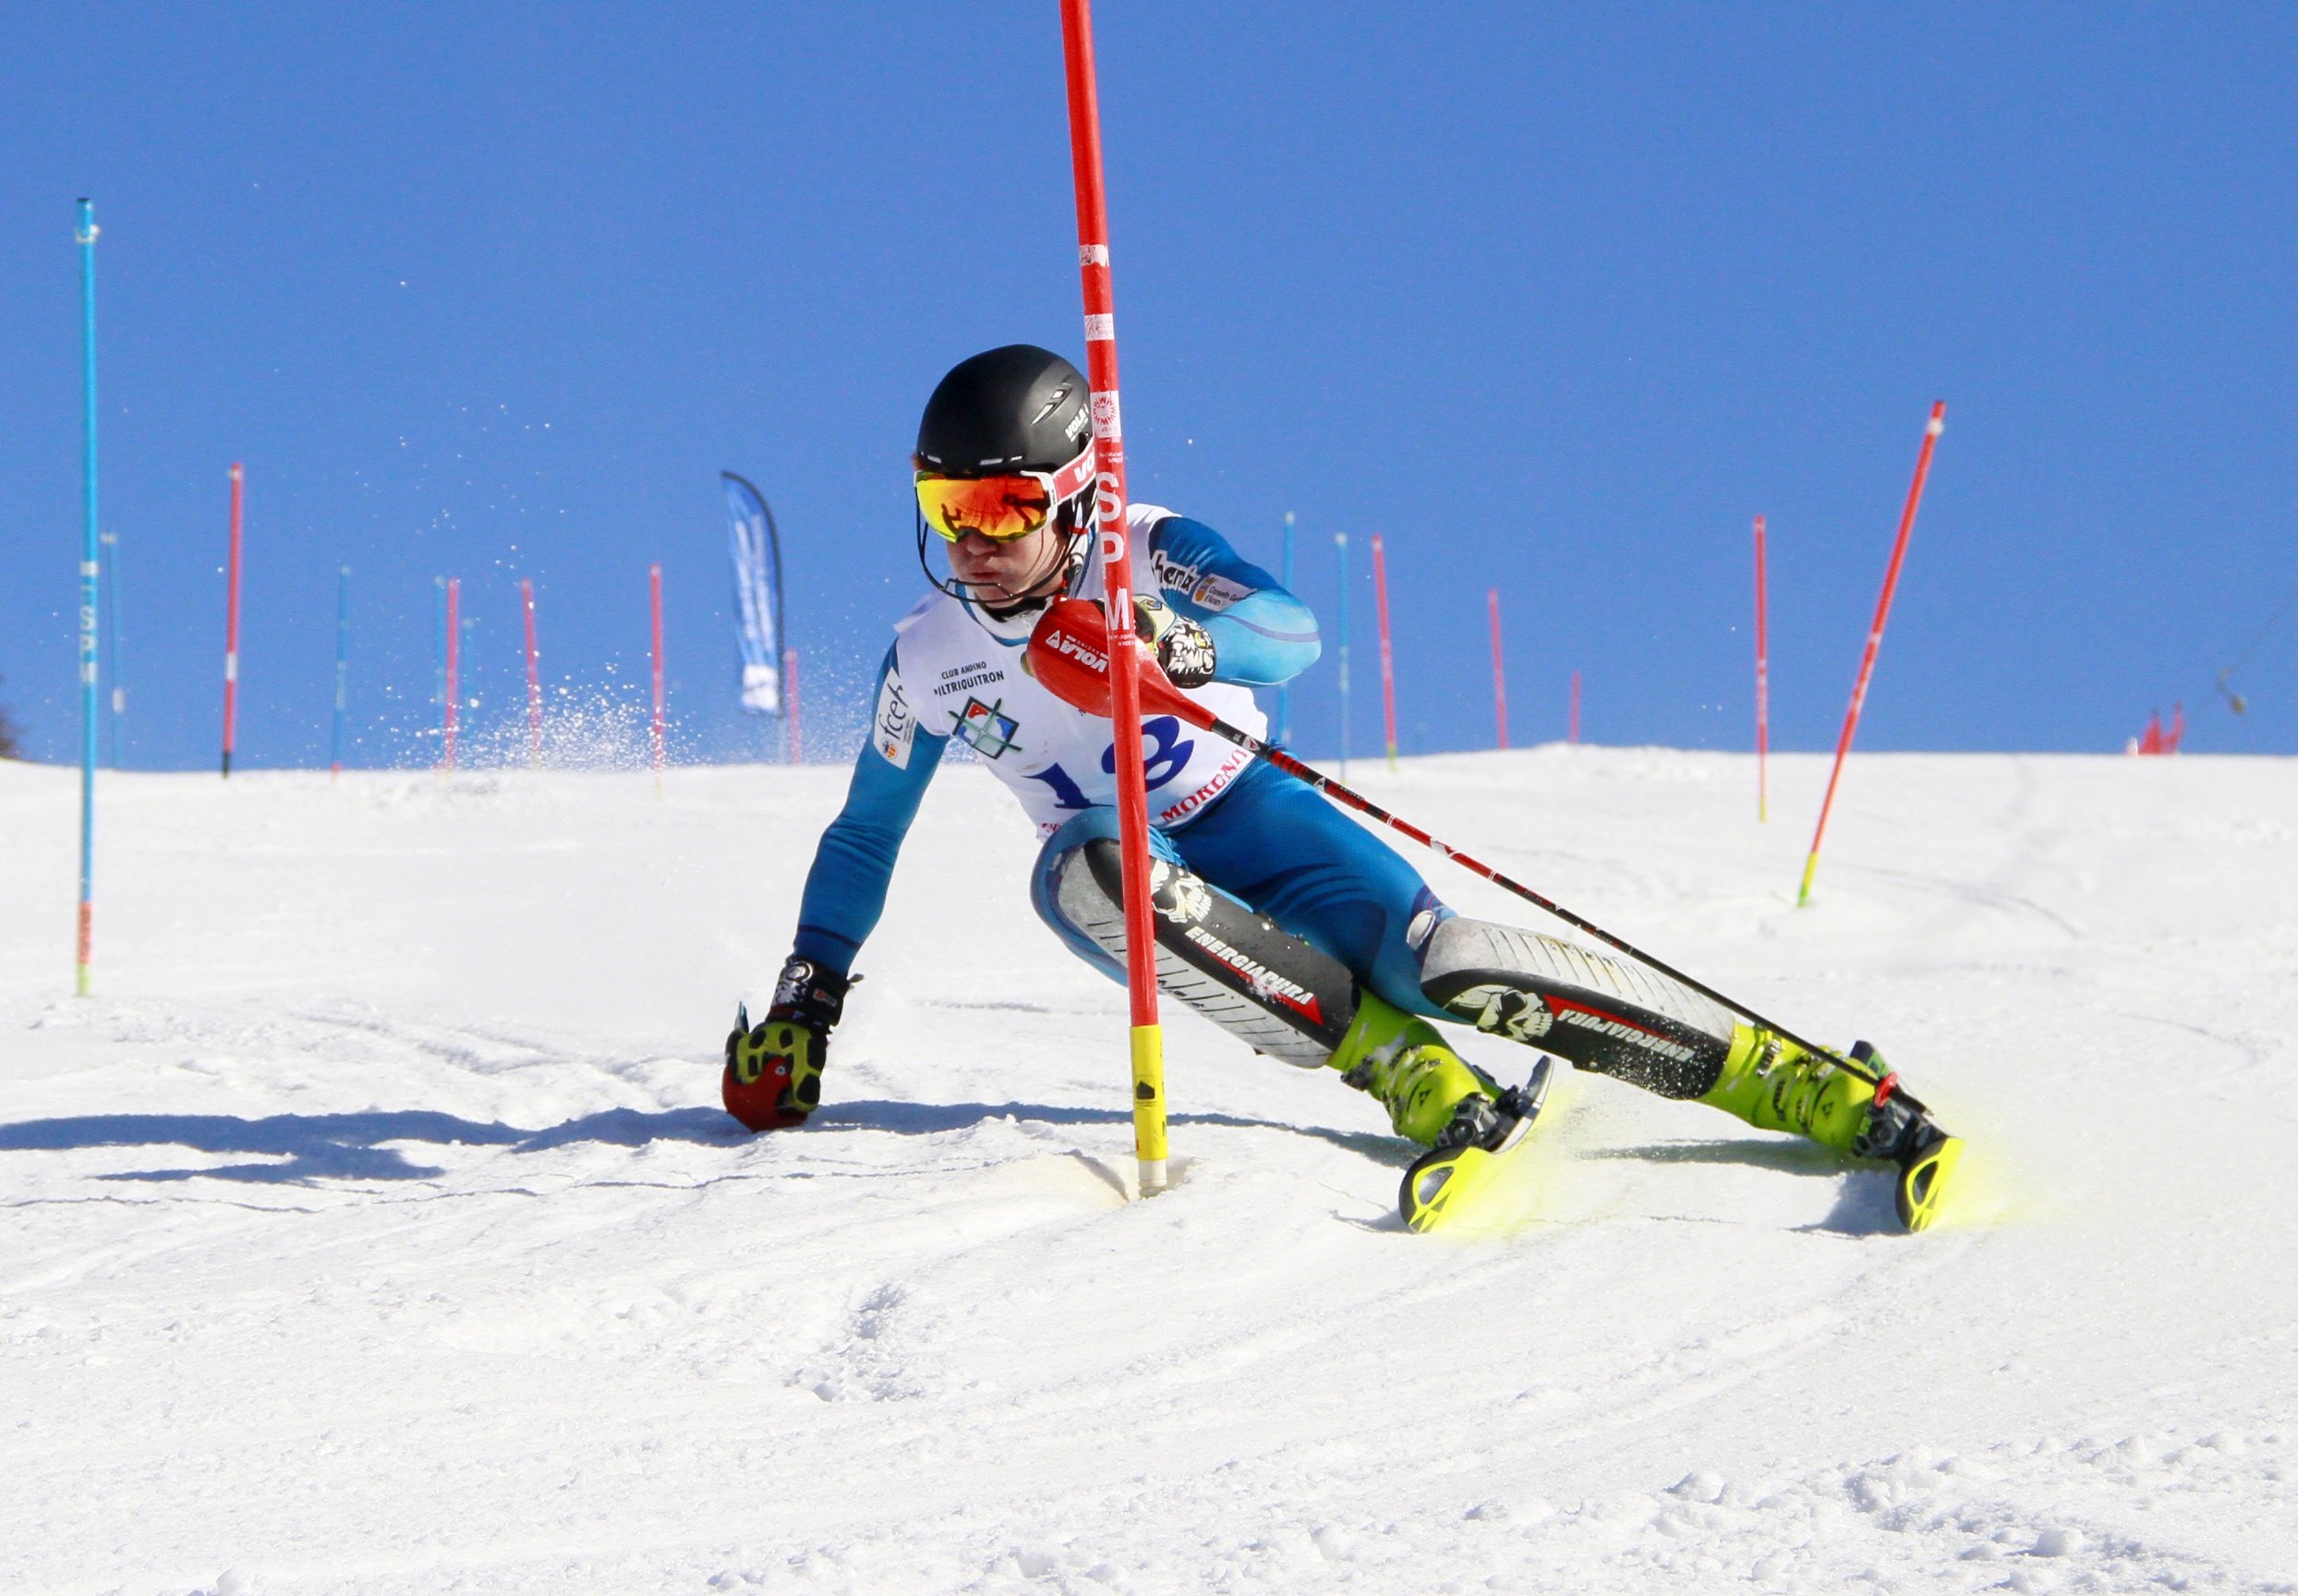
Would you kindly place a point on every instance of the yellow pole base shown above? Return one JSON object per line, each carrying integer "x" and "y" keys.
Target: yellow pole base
{"x": 1149, "y": 1148}
{"x": 1811, "y": 868}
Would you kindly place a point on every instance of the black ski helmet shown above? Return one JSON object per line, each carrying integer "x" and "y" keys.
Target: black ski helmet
{"x": 1018, "y": 408}
{"x": 1014, "y": 408}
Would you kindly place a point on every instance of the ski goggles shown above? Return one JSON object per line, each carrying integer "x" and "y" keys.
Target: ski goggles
{"x": 1001, "y": 508}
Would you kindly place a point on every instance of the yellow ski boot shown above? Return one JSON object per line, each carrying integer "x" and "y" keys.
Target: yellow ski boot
{"x": 1852, "y": 1104}
{"x": 1433, "y": 1096}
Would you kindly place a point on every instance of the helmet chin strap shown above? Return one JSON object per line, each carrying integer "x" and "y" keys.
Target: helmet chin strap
{"x": 1069, "y": 558}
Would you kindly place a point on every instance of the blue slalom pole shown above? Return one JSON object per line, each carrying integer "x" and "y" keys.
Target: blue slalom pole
{"x": 90, "y": 592}
{"x": 1340, "y": 541}
{"x": 1283, "y": 692}
{"x": 343, "y": 666}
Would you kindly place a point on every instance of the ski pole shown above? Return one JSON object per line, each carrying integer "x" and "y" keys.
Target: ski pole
{"x": 1068, "y": 653}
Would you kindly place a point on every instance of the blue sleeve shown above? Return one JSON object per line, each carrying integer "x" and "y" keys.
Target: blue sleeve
{"x": 855, "y": 863}
{"x": 1262, "y": 634}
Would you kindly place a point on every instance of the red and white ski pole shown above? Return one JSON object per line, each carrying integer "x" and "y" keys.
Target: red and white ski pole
{"x": 1123, "y": 703}
{"x": 1068, "y": 653}
{"x": 1937, "y": 425}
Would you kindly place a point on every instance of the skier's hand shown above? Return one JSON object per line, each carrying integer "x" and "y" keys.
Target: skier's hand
{"x": 1182, "y": 648}
{"x": 774, "y": 1069}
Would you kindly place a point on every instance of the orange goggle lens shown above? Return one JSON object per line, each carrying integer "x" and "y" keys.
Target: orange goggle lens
{"x": 999, "y": 508}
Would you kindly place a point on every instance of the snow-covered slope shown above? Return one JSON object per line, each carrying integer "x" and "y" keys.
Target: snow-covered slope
{"x": 375, "y": 1227}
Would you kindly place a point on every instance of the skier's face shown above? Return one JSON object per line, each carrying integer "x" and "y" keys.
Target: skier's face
{"x": 1024, "y": 568}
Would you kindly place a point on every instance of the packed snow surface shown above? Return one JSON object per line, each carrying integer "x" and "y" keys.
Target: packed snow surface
{"x": 374, "y": 1227}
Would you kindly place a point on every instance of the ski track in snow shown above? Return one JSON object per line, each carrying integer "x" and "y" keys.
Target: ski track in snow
{"x": 375, "y": 1229}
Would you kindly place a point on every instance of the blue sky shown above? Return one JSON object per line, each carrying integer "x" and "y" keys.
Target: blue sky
{"x": 1553, "y": 299}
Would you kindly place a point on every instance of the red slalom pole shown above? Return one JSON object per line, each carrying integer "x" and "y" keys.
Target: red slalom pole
{"x": 1937, "y": 425}
{"x": 534, "y": 679}
{"x": 789, "y": 696}
{"x": 1763, "y": 689}
{"x": 1575, "y": 709}
{"x": 1147, "y": 1042}
{"x": 231, "y": 624}
{"x": 455, "y": 659}
{"x": 1388, "y": 665}
{"x": 654, "y": 582}
{"x": 1068, "y": 653}
{"x": 1499, "y": 676}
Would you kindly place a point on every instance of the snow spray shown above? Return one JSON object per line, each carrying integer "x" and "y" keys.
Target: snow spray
{"x": 89, "y": 568}
{"x": 231, "y": 621}
{"x": 1764, "y": 690}
{"x": 342, "y": 671}
{"x": 790, "y": 697}
{"x": 1133, "y": 795}
{"x": 455, "y": 655}
{"x": 1388, "y": 664}
{"x": 1499, "y": 676}
{"x": 1284, "y": 689}
{"x": 654, "y": 732}
{"x": 534, "y": 679}
{"x": 1931, "y": 431}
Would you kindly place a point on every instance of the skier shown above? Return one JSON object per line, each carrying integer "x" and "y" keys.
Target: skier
{"x": 1277, "y": 917}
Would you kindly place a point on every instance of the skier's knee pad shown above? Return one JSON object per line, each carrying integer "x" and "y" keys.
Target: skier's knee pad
{"x": 1602, "y": 1014}
{"x": 1271, "y": 990}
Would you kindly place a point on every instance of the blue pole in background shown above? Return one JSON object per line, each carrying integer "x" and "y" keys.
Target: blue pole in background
{"x": 1340, "y": 541}
{"x": 90, "y": 592}
{"x": 343, "y": 666}
{"x": 1283, "y": 692}
{"x": 111, "y": 542}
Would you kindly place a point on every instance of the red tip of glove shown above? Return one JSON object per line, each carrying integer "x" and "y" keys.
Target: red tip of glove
{"x": 1069, "y": 653}
{"x": 757, "y": 1104}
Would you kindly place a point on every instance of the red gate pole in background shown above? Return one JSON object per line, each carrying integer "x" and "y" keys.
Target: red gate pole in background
{"x": 534, "y": 679}
{"x": 231, "y": 624}
{"x": 1388, "y": 663}
{"x": 1499, "y": 677}
{"x": 1117, "y": 562}
{"x": 1931, "y": 431}
{"x": 1764, "y": 690}
{"x": 1575, "y": 709}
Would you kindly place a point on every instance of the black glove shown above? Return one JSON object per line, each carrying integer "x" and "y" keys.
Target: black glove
{"x": 1183, "y": 648}
{"x": 774, "y": 1069}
